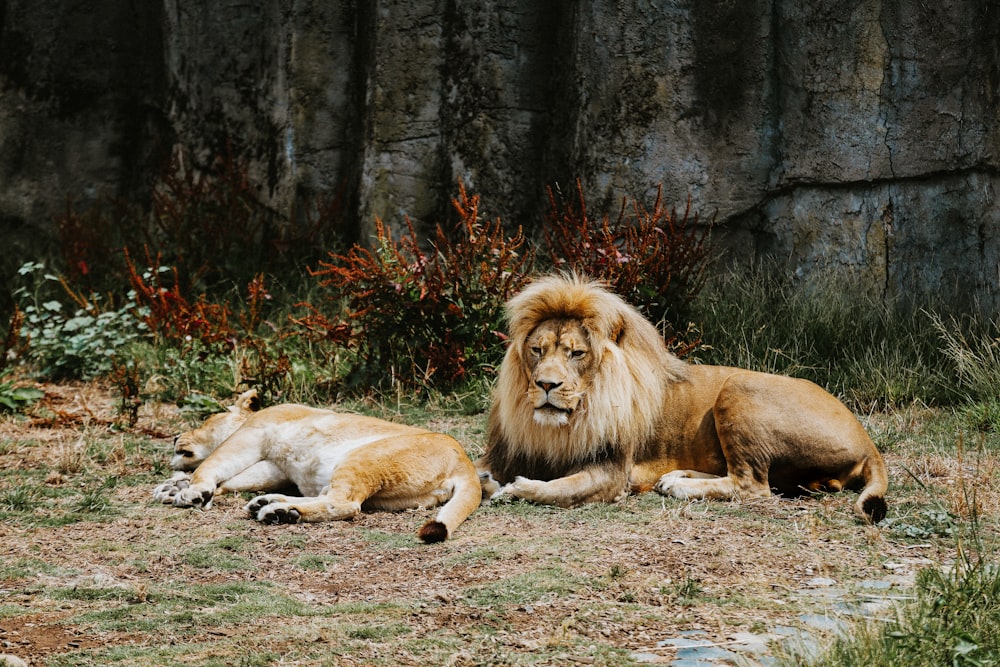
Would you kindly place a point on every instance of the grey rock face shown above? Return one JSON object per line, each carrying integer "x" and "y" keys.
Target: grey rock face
{"x": 859, "y": 135}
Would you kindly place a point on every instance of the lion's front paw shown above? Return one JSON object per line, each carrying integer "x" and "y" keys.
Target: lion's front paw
{"x": 166, "y": 492}
{"x": 668, "y": 485}
{"x": 521, "y": 488}
{"x": 268, "y": 509}
{"x": 503, "y": 494}
{"x": 192, "y": 496}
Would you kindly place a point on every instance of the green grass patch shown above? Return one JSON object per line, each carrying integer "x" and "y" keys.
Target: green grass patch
{"x": 316, "y": 562}
{"x": 221, "y": 555}
{"x": 189, "y": 609}
{"x": 29, "y": 501}
{"x": 18, "y": 499}
{"x": 377, "y": 632}
{"x": 215, "y": 654}
{"x": 92, "y": 593}
{"x": 527, "y": 588}
{"x": 10, "y": 611}
{"x": 27, "y": 568}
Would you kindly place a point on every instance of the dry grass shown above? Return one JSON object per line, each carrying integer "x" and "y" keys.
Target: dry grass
{"x": 91, "y": 571}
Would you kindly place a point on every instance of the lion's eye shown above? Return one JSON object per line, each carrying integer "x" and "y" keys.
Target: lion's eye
{"x": 537, "y": 351}
{"x": 576, "y": 354}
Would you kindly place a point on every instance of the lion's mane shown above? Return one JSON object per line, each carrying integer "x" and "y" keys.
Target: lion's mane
{"x": 623, "y": 405}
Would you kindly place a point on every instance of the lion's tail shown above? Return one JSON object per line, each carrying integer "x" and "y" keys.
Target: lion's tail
{"x": 870, "y": 505}
{"x": 465, "y": 498}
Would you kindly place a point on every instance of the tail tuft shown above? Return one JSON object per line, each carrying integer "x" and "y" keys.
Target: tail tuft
{"x": 874, "y": 508}
{"x": 870, "y": 505}
{"x": 433, "y": 531}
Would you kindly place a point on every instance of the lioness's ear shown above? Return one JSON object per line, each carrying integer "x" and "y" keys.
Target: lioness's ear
{"x": 248, "y": 401}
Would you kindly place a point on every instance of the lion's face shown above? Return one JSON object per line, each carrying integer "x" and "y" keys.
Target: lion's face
{"x": 560, "y": 363}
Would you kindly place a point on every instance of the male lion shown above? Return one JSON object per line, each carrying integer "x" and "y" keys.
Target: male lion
{"x": 343, "y": 463}
{"x": 590, "y": 405}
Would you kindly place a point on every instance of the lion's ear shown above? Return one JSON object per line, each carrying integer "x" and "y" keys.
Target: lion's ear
{"x": 611, "y": 327}
{"x": 248, "y": 401}
{"x": 617, "y": 332}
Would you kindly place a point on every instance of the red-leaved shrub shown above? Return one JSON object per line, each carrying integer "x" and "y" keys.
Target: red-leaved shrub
{"x": 652, "y": 257}
{"x": 422, "y": 318}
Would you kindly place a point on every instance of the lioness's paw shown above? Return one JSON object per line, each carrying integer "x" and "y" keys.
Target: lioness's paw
{"x": 194, "y": 497}
{"x": 278, "y": 513}
{"x": 254, "y": 506}
{"x": 273, "y": 508}
{"x": 166, "y": 492}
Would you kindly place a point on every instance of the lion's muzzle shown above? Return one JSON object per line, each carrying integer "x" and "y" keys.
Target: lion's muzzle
{"x": 548, "y": 414}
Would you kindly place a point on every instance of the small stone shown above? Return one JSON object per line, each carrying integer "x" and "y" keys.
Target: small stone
{"x": 647, "y": 658}
{"x": 821, "y": 582}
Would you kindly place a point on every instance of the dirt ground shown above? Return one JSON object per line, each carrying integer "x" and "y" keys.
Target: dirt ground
{"x": 517, "y": 584}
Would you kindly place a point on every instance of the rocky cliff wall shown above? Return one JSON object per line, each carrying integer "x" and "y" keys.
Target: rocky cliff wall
{"x": 861, "y": 135}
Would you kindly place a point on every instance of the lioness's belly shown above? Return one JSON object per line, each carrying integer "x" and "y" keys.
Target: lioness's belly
{"x": 310, "y": 465}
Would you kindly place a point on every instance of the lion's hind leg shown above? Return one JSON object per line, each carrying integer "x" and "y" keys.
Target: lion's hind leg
{"x": 831, "y": 485}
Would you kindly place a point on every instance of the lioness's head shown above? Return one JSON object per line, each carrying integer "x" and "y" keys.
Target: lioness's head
{"x": 193, "y": 447}
{"x": 561, "y": 364}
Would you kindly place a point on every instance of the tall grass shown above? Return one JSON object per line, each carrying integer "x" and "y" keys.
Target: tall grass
{"x": 876, "y": 354}
{"x": 954, "y": 619}
{"x": 975, "y": 355}
{"x": 829, "y": 329}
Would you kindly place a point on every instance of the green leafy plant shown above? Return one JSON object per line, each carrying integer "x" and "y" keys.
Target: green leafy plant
{"x": 17, "y": 398}
{"x": 78, "y": 340}
{"x": 422, "y": 318}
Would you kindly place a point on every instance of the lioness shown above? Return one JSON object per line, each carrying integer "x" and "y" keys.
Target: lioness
{"x": 590, "y": 405}
{"x": 343, "y": 463}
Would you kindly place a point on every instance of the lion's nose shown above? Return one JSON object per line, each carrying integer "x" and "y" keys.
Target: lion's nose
{"x": 548, "y": 386}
